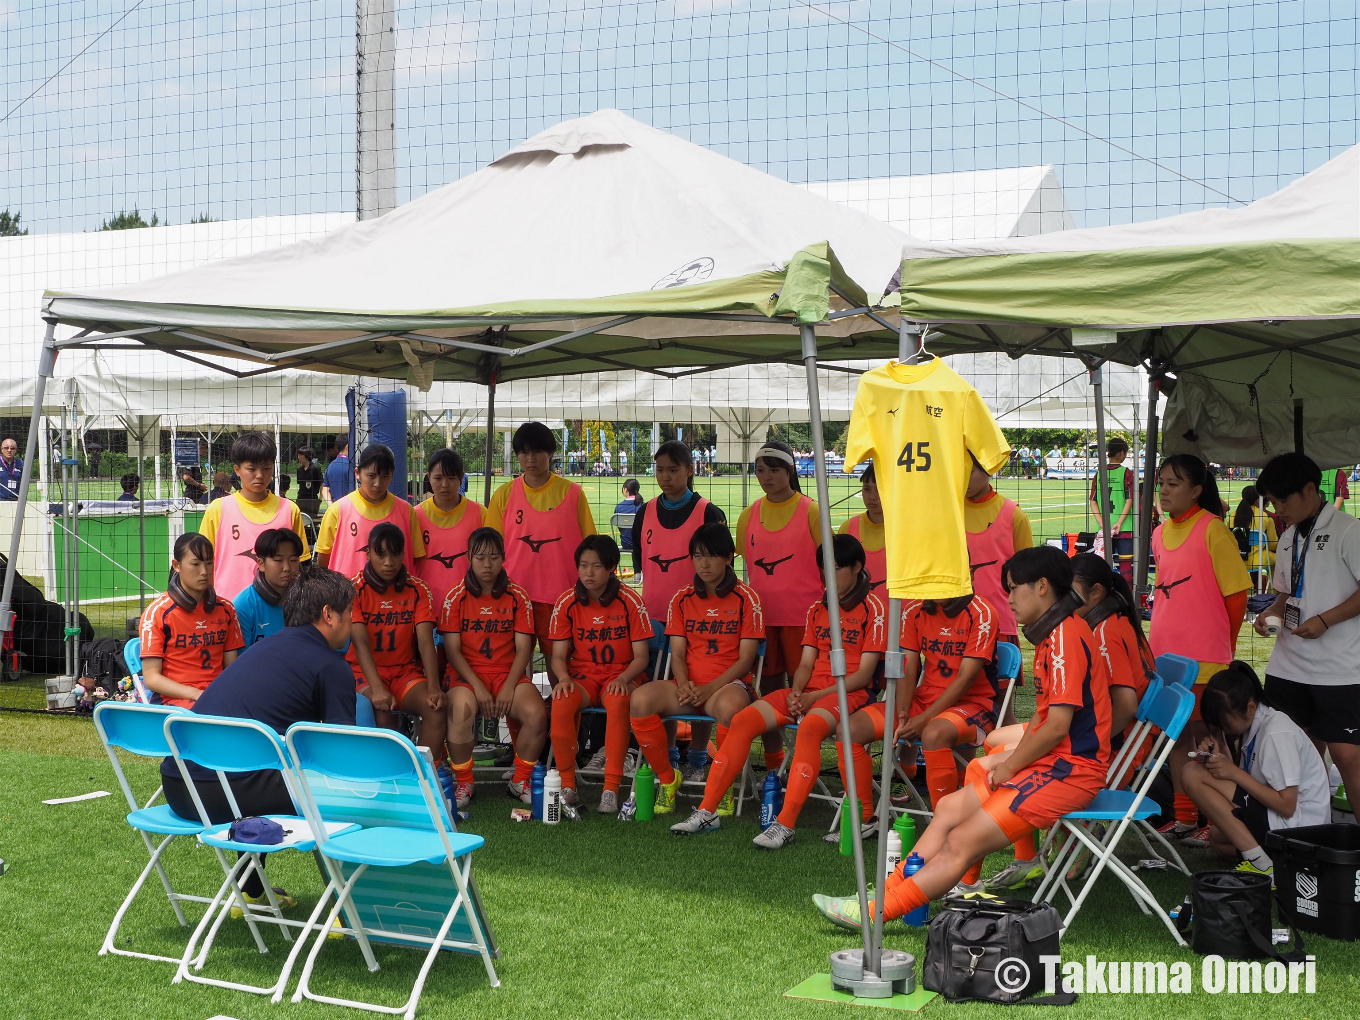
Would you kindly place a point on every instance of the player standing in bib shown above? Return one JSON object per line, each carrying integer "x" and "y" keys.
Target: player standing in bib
{"x": 662, "y": 529}
{"x": 868, "y": 529}
{"x": 445, "y": 520}
{"x": 234, "y": 522}
{"x": 997, "y": 529}
{"x": 778, "y": 536}
{"x": 543, "y": 518}
{"x": 343, "y": 539}
{"x": 600, "y": 633}
{"x": 1199, "y": 600}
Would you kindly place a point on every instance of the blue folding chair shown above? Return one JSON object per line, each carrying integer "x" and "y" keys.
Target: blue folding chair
{"x": 132, "y": 656}
{"x": 225, "y": 746}
{"x": 378, "y": 780}
{"x": 1177, "y": 669}
{"x": 1008, "y": 669}
{"x": 139, "y": 729}
{"x": 1115, "y": 811}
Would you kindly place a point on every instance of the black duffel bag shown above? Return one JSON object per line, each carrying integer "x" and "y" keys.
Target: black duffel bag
{"x": 969, "y": 940}
{"x": 1230, "y": 916}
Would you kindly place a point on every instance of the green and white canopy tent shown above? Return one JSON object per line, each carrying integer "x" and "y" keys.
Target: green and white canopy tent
{"x": 598, "y": 244}
{"x": 1249, "y": 318}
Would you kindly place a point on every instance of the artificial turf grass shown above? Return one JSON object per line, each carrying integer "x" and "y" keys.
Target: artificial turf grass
{"x": 596, "y": 919}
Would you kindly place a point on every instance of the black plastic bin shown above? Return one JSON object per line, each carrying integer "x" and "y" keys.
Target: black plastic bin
{"x": 1317, "y": 877}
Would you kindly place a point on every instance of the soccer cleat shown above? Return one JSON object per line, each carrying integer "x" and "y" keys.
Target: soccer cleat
{"x": 1247, "y": 868}
{"x": 1016, "y": 875}
{"x": 666, "y": 794}
{"x": 698, "y": 821}
{"x": 727, "y": 807}
{"x": 1175, "y": 829}
{"x": 630, "y": 763}
{"x": 842, "y": 911}
{"x": 462, "y": 795}
{"x": 695, "y": 773}
{"x": 609, "y": 803}
{"x": 869, "y": 830}
{"x": 519, "y": 792}
{"x": 284, "y": 899}
{"x": 976, "y": 891}
{"x": 570, "y": 796}
{"x": 1196, "y": 838}
{"x": 596, "y": 763}
{"x": 776, "y": 837}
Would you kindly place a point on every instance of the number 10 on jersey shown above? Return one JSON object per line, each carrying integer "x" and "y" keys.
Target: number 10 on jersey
{"x": 915, "y": 457}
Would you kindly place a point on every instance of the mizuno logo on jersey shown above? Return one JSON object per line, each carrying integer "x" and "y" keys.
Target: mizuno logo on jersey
{"x": 769, "y": 565}
{"x": 536, "y": 544}
{"x": 665, "y": 565}
{"x": 446, "y": 561}
{"x": 973, "y": 568}
{"x": 486, "y": 611}
{"x": 1165, "y": 589}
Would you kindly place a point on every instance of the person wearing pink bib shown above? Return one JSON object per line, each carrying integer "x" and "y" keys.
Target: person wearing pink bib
{"x": 543, "y": 518}
{"x": 778, "y": 536}
{"x": 1198, "y": 602}
{"x": 342, "y": 542}
{"x": 868, "y": 528}
{"x": 997, "y": 529}
{"x": 233, "y": 523}
{"x": 445, "y": 521}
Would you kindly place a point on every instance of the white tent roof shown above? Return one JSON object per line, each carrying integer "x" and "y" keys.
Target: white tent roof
{"x": 957, "y": 207}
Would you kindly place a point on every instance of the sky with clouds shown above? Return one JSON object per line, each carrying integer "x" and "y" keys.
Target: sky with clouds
{"x": 192, "y": 107}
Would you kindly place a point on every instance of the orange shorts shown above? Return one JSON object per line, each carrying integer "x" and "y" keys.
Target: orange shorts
{"x": 542, "y": 618}
{"x": 398, "y": 679}
{"x": 783, "y": 650}
{"x": 971, "y": 721}
{"x": 593, "y": 687}
{"x": 1037, "y": 797}
{"x": 779, "y": 701}
{"x": 494, "y": 682}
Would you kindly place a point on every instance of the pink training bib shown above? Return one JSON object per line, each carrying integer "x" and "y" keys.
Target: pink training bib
{"x": 445, "y": 562}
{"x": 665, "y": 557}
{"x": 1188, "y": 614}
{"x": 988, "y": 551}
{"x": 234, "y": 562}
{"x": 875, "y": 560}
{"x": 348, "y": 555}
{"x": 540, "y": 547}
{"x": 782, "y": 566}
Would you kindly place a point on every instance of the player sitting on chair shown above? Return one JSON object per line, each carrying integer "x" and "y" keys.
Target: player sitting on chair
{"x": 811, "y": 702}
{"x": 715, "y": 625}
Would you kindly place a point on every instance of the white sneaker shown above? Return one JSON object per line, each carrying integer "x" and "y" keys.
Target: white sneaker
{"x": 630, "y": 763}
{"x": 776, "y": 837}
{"x": 609, "y": 803}
{"x": 596, "y": 763}
{"x": 698, "y": 821}
{"x": 695, "y": 773}
{"x": 520, "y": 792}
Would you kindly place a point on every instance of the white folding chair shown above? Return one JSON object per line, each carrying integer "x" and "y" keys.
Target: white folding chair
{"x": 139, "y": 729}
{"x": 1116, "y": 810}
{"x": 377, "y": 781}
{"x": 225, "y": 746}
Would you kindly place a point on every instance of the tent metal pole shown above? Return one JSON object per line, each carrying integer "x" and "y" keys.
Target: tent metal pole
{"x": 1140, "y": 569}
{"x": 490, "y": 431}
{"x": 1103, "y": 492}
{"x": 808, "y": 335}
{"x": 1137, "y": 493}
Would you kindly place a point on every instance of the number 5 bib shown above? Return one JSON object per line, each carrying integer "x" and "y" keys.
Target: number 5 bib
{"x": 234, "y": 563}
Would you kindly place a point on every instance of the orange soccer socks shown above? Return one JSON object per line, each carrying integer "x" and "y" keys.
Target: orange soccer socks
{"x": 616, "y": 731}
{"x": 732, "y": 754}
{"x": 563, "y": 727}
{"x": 864, "y": 776}
{"x": 651, "y": 737}
{"x": 807, "y": 765}
{"x": 942, "y": 774}
{"x": 901, "y": 897}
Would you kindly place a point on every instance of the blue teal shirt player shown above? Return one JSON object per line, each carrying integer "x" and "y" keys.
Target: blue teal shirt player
{"x": 259, "y": 611}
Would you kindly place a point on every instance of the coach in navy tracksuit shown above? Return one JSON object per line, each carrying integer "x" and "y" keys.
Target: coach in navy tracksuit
{"x": 11, "y": 469}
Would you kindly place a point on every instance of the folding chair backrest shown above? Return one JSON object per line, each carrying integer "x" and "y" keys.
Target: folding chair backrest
{"x": 138, "y": 729}
{"x": 1170, "y": 710}
{"x": 1154, "y": 688}
{"x": 226, "y": 744}
{"x": 132, "y": 655}
{"x": 1177, "y": 669}
{"x": 1007, "y": 660}
{"x": 365, "y": 776}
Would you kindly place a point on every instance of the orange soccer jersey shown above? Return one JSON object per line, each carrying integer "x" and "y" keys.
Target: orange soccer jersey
{"x": 945, "y": 641}
{"x": 863, "y": 629}
{"x": 486, "y": 626}
{"x": 189, "y": 643}
{"x": 714, "y": 626}
{"x": 601, "y": 633}
{"x": 391, "y": 616}
{"x": 1068, "y": 670}
{"x": 1125, "y": 660}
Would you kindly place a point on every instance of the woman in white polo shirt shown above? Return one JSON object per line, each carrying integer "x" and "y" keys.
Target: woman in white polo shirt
{"x": 1314, "y": 670}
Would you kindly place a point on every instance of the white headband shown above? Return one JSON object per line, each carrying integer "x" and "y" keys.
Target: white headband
{"x": 774, "y": 453}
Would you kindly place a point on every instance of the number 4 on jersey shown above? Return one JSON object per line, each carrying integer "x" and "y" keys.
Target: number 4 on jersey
{"x": 909, "y": 460}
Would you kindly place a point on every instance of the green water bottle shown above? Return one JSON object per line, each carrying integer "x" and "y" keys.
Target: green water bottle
{"x": 849, "y": 818}
{"x": 644, "y": 790}
{"x": 905, "y": 827}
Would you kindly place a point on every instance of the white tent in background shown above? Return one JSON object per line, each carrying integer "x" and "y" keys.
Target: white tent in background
{"x": 966, "y": 206}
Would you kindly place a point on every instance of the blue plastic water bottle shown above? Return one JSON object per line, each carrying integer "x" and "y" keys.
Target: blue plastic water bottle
{"x": 536, "y": 790}
{"x": 769, "y": 800}
{"x": 919, "y": 917}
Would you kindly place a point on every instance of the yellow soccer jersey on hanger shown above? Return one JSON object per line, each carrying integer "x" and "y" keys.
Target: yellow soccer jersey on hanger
{"x": 920, "y": 423}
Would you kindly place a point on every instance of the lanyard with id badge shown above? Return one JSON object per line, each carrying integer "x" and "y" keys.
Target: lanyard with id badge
{"x": 1293, "y": 606}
